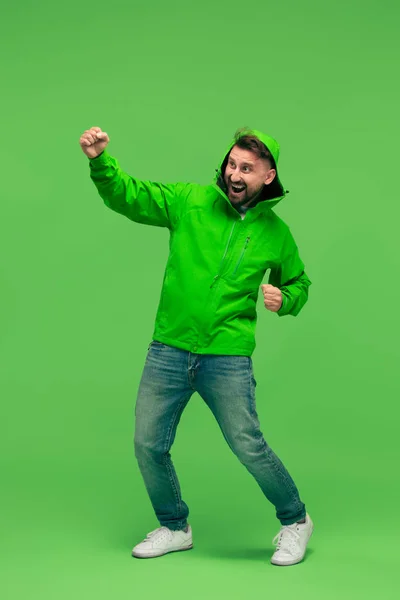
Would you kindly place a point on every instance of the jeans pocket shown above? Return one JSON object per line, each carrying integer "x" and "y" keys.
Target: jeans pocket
{"x": 155, "y": 344}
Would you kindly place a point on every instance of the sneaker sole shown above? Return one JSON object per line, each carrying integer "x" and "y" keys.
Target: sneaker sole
{"x": 137, "y": 555}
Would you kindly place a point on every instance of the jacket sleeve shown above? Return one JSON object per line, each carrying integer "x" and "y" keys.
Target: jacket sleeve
{"x": 291, "y": 279}
{"x": 145, "y": 202}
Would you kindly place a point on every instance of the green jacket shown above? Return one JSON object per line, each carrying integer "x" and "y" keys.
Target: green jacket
{"x": 217, "y": 258}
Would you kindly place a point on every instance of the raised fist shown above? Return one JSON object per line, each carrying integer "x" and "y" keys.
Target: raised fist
{"x": 93, "y": 141}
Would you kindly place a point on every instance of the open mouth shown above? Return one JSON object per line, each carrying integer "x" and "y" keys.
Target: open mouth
{"x": 237, "y": 189}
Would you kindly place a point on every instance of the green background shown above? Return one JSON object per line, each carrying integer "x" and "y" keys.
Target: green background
{"x": 170, "y": 83}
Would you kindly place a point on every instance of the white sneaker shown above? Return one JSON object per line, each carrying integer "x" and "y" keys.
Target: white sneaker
{"x": 291, "y": 543}
{"x": 163, "y": 540}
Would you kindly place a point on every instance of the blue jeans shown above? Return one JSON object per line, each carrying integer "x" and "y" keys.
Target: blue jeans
{"x": 227, "y": 385}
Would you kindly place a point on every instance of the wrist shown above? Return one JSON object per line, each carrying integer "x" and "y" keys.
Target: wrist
{"x": 97, "y": 155}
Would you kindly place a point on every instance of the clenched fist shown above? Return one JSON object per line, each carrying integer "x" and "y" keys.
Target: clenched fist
{"x": 93, "y": 141}
{"x": 272, "y": 297}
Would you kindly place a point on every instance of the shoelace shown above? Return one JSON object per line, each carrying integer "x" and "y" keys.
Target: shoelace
{"x": 159, "y": 530}
{"x": 286, "y": 539}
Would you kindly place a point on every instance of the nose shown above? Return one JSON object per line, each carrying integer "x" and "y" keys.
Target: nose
{"x": 235, "y": 176}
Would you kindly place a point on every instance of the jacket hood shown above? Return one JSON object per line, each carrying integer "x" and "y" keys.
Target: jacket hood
{"x": 274, "y": 192}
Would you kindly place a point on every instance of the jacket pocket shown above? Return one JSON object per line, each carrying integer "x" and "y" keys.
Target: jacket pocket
{"x": 235, "y": 270}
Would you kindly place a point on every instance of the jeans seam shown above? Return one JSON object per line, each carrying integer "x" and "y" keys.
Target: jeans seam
{"x": 189, "y": 373}
{"x": 253, "y": 410}
{"x": 167, "y": 445}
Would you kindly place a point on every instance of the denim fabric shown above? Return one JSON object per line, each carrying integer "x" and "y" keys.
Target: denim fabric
{"x": 227, "y": 385}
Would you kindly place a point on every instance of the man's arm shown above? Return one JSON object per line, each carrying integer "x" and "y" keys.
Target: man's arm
{"x": 145, "y": 202}
{"x": 141, "y": 201}
{"x": 291, "y": 279}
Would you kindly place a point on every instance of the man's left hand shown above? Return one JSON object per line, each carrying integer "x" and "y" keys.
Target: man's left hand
{"x": 272, "y": 297}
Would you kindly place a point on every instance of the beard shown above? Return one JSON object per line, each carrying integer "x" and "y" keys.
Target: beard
{"x": 244, "y": 197}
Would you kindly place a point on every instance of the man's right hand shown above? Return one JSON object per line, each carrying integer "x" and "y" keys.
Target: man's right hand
{"x": 93, "y": 141}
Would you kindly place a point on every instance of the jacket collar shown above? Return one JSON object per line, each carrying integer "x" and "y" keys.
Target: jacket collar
{"x": 262, "y": 206}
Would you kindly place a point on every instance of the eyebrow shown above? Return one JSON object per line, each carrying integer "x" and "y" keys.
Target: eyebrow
{"x": 245, "y": 162}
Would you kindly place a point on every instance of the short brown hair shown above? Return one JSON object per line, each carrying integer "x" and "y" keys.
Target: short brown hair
{"x": 247, "y": 141}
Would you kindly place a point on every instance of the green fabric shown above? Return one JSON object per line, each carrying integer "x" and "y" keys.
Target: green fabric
{"x": 217, "y": 260}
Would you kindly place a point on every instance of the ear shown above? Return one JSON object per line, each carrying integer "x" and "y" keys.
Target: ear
{"x": 270, "y": 176}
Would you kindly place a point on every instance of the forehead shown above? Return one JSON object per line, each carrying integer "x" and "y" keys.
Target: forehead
{"x": 241, "y": 155}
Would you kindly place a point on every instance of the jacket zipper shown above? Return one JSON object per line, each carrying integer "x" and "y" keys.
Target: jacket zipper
{"x": 226, "y": 250}
{"x": 241, "y": 256}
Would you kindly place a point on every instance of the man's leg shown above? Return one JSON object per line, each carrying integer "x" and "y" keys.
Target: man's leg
{"x": 227, "y": 385}
{"x": 164, "y": 391}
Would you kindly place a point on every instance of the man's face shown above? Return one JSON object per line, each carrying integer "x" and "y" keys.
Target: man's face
{"x": 247, "y": 172}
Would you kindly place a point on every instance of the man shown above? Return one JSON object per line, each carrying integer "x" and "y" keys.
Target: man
{"x": 223, "y": 238}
